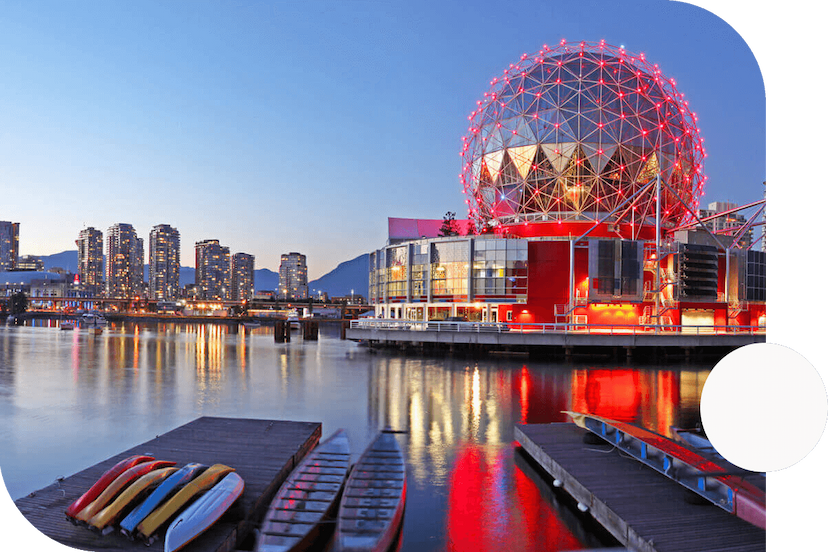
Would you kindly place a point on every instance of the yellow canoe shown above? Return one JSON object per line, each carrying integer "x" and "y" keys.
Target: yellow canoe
{"x": 107, "y": 516}
{"x": 117, "y": 486}
{"x": 163, "y": 513}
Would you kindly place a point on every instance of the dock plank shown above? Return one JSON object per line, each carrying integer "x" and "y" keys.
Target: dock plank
{"x": 641, "y": 508}
{"x": 263, "y": 453}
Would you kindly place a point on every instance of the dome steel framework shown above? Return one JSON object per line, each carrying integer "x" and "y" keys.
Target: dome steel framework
{"x": 577, "y": 132}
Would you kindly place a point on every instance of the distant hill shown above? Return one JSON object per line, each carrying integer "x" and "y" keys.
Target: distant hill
{"x": 340, "y": 281}
{"x": 68, "y": 261}
{"x": 350, "y": 275}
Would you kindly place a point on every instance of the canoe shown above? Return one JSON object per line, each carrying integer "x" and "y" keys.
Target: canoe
{"x": 120, "y": 483}
{"x": 170, "y": 486}
{"x": 713, "y": 480}
{"x": 149, "y": 526}
{"x": 371, "y": 510}
{"x": 306, "y": 502}
{"x": 102, "y": 483}
{"x": 204, "y": 512}
{"x": 103, "y": 520}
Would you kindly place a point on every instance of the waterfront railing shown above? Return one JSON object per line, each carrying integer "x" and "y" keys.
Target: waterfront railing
{"x": 553, "y": 328}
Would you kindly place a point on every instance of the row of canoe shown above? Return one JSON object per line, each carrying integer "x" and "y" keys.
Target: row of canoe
{"x": 140, "y": 495}
{"x": 365, "y": 502}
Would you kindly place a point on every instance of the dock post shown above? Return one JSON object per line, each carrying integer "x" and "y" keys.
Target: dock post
{"x": 629, "y": 352}
{"x": 342, "y": 327}
{"x": 279, "y": 331}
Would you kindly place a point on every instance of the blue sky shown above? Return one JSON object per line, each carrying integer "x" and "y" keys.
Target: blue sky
{"x": 301, "y": 126}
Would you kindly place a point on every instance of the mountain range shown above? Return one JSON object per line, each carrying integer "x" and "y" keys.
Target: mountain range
{"x": 347, "y": 276}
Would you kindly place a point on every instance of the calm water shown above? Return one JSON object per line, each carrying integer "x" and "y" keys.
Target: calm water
{"x": 69, "y": 399}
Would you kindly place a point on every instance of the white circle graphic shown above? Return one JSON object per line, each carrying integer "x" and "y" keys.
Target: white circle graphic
{"x": 764, "y": 407}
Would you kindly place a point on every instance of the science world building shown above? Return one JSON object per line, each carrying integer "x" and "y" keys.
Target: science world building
{"x": 583, "y": 168}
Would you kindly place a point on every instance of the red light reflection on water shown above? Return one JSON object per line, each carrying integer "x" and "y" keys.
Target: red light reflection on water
{"x": 481, "y": 515}
{"x": 650, "y": 399}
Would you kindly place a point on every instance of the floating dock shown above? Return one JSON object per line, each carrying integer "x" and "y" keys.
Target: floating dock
{"x": 641, "y": 508}
{"x": 444, "y": 337}
{"x": 263, "y": 453}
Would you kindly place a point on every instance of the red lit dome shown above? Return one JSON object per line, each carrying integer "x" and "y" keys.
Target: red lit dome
{"x": 574, "y": 132}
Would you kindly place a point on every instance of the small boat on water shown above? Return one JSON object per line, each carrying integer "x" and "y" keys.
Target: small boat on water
{"x": 92, "y": 320}
{"x": 102, "y": 483}
{"x": 251, "y": 324}
{"x": 204, "y": 512}
{"x": 307, "y": 501}
{"x": 67, "y": 325}
{"x": 714, "y": 480}
{"x": 371, "y": 511}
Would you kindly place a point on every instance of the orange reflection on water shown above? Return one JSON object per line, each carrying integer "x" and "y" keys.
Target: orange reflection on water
{"x": 481, "y": 515}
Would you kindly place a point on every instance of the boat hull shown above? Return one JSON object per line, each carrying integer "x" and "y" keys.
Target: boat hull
{"x": 169, "y": 487}
{"x": 373, "y": 502}
{"x": 204, "y": 512}
{"x": 141, "y": 487}
{"x": 148, "y": 527}
{"x": 701, "y": 475}
{"x": 120, "y": 483}
{"x": 307, "y": 500}
{"x": 102, "y": 483}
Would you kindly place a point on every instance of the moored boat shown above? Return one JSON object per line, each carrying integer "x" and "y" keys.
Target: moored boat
{"x": 373, "y": 501}
{"x": 168, "y": 488}
{"x": 147, "y": 528}
{"x": 712, "y": 480}
{"x": 118, "y": 485}
{"x": 106, "y": 517}
{"x": 204, "y": 512}
{"x": 308, "y": 498}
{"x": 102, "y": 483}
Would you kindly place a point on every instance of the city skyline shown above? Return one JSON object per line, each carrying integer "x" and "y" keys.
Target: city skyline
{"x": 210, "y": 134}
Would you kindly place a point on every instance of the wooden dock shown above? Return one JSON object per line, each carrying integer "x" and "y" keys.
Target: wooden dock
{"x": 641, "y": 508}
{"x": 263, "y": 453}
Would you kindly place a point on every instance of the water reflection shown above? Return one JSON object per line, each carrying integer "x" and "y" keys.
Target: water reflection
{"x": 91, "y": 396}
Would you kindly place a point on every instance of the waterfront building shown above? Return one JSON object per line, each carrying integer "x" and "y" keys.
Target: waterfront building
{"x": 30, "y": 262}
{"x": 242, "y": 278}
{"x": 293, "y": 277}
{"x": 164, "y": 262}
{"x": 212, "y": 270}
{"x": 124, "y": 262}
{"x": 9, "y": 245}
{"x": 91, "y": 259}
{"x": 583, "y": 168}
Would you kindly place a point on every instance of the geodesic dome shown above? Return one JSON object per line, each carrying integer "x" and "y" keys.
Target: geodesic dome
{"x": 576, "y": 131}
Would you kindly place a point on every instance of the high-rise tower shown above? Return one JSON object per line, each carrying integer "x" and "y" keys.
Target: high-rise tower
{"x": 124, "y": 261}
{"x": 212, "y": 270}
{"x": 90, "y": 259}
{"x": 293, "y": 277}
{"x": 242, "y": 276}
{"x": 9, "y": 245}
{"x": 164, "y": 262}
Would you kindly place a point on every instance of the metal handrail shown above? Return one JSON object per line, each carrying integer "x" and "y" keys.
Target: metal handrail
{"x": 552, "y": 327}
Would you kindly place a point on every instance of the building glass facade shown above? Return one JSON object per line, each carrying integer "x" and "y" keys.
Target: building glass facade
{"x": 293, "y": 277}
{"x": 164, "y": 262}
{"x": 242, "y": 269}
{"x": 9, "y": 245}
{"x": 91, "y": 260}
{"x": 124, "y": 262}
{"x": 212, "y": 270}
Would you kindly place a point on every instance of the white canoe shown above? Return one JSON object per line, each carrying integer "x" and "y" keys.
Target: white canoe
{"x": 204, "y": 512}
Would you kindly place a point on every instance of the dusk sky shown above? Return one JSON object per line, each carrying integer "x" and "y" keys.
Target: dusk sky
{"x": 302, "y": 126}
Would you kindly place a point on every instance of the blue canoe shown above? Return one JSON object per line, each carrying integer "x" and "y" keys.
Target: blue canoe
{"x": 172, "y": 484}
